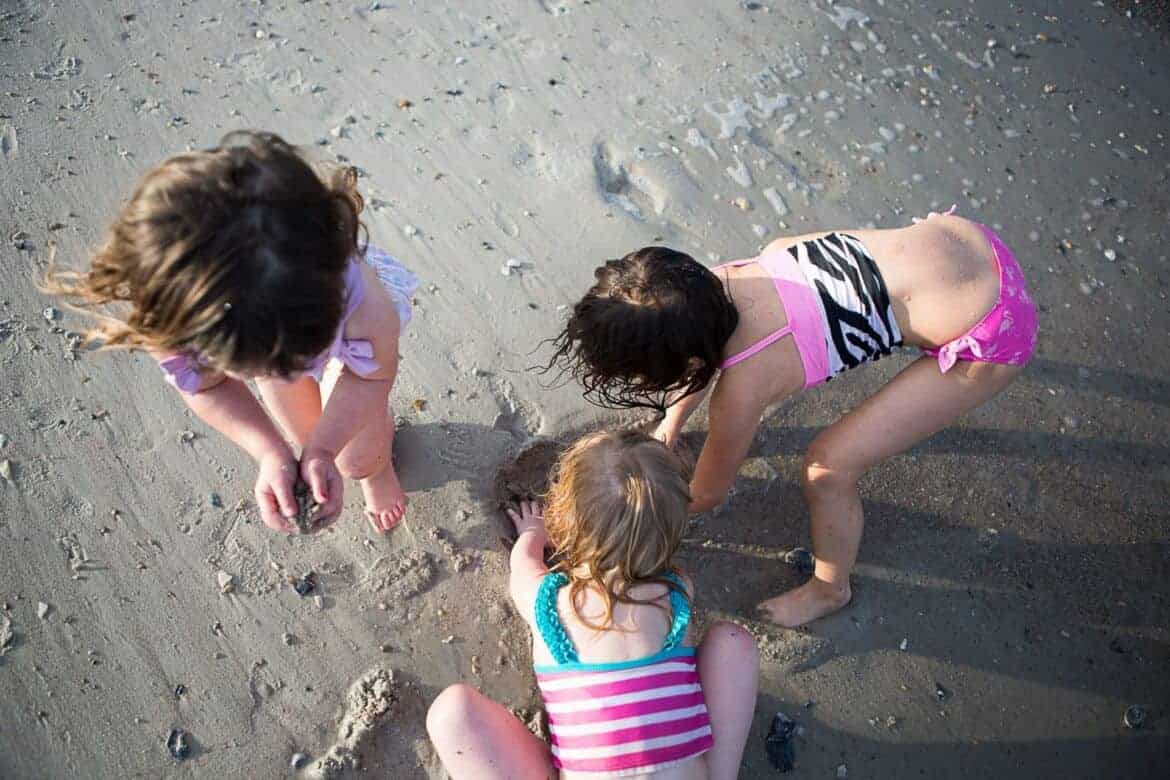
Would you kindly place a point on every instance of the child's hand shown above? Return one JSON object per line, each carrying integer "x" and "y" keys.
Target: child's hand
{"x": 666, "y": 433}
{"x": 529, "y": 518}
{"x": 274, "y": 490}
{"x": 320, "y": 473}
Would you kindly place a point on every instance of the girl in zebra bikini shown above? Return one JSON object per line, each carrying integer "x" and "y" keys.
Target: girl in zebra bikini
{"x": 659, "y": 330}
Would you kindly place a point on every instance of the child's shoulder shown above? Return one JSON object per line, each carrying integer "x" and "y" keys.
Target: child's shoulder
{"x": 391, "y": 281}
{"x": 186, "y": 372}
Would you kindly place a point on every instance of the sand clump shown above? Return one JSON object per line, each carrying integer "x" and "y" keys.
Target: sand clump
{"x": 6, "y": 634}
{"x": 366, "y": 704}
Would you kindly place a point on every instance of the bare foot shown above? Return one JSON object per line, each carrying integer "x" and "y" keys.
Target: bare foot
{"x": 814, "y": 599}
{"x": 385, "y": 501}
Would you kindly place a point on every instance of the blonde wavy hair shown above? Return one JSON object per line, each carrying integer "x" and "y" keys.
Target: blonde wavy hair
{"x": 616, "y": 513}
{"x": 236, "y": 253}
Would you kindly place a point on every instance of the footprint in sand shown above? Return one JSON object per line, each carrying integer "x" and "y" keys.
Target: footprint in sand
{"x": 401, "y": 575}
{"x": 522, "y": 419}
{"x": 614, "y": 181}
{"x": 8, "y": 141}
{"x": 555, "y": 7}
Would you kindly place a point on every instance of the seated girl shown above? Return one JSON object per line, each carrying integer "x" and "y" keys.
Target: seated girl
{"x": 626, "y": 689}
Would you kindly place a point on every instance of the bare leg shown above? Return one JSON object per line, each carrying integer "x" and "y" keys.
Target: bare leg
{"x": 367, "y": 458}
{"x": 478, "y": 739}
{"x": 729, "y": 668}
{"x": 295, "y": 405}
{"x": 917, "y": 403}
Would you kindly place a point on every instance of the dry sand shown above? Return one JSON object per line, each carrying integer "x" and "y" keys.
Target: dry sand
{"x": 1019, "y": 560}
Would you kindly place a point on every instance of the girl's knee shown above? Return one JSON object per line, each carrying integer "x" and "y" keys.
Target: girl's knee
{"x": 359, "y": 465}
{"x": 732, "y": 641}
{"x": 819, "y": 472}
{"x": 450, "y": 710}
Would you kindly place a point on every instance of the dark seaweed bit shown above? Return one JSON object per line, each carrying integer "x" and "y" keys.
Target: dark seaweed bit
{"x": 778, "y": 744}
{"x": 305, "y": 585}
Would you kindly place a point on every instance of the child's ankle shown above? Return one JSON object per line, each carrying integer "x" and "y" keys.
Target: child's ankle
{"x": 838, "y": 593}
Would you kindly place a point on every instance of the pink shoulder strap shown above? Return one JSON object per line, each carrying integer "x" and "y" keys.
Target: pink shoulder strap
{"x": 754, "y": 349}
{"x": 763, "y": 343}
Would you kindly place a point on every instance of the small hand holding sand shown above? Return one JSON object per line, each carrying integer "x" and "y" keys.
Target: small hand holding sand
{"x": 274, "y": 494}
{"x": 307, "y": 509}
{"x": 326, "y": 487}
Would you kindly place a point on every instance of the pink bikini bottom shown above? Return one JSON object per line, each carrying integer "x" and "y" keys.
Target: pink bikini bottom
{"x": 1007, "y": 333}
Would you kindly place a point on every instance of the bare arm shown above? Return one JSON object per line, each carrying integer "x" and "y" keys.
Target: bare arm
{"x": 677, "y": 415}
{"x": 733, "y": 426}
{"x": 526, "y": 563}
{"x": 228, "y": 406}
{"x": 357, "y": 399}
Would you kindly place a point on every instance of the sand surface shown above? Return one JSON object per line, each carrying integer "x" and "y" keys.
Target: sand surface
{"x": 1018, "y": 560}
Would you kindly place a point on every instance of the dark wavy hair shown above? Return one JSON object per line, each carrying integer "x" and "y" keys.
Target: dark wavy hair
{"x": 237, "y": 253}
{"x": 651, "y": 330}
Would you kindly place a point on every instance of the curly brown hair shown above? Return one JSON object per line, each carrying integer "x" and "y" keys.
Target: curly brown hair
{"x": 616, "y": 514}
{"x": 236, "y": 253}
{"x": 651, "y": 330}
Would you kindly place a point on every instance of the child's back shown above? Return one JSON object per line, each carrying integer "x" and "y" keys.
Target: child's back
{"x": 633, "y": 695}
{"x": 638, "y": 629}
{"x": 626, "y": 691}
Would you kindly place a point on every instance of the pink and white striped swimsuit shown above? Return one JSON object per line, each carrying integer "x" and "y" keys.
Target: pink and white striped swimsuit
{"x": 624, "y": 718}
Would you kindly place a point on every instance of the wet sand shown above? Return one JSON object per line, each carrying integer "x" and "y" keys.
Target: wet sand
{"x": 1017, "y": 561}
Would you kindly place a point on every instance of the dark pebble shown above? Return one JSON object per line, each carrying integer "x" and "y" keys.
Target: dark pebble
{"x": 779, "y": 745}
{"x": 305, "y": 585}
{"x": 179, "y": 744}
{"x": 801, "y": 560}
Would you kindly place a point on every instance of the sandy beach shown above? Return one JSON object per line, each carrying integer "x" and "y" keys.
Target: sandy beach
{"x": 1012, "y": 597}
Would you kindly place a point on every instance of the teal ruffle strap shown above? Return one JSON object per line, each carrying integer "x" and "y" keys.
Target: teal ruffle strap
{"x": 680, "y": 608}
{"x": 548, "y": 622}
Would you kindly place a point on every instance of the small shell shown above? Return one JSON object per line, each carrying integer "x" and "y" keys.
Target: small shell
{"x": 1134, "y": 717}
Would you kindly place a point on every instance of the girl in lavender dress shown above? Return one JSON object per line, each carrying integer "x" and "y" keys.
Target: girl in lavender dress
{"x": 243, "y": 263}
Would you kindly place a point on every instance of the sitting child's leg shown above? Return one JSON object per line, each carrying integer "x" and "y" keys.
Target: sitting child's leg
{"x": 478, "y": 739}
{"x": 367, "y": 458}
{"x": 295, "y": 405}
{"x": 729, "y": 668}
